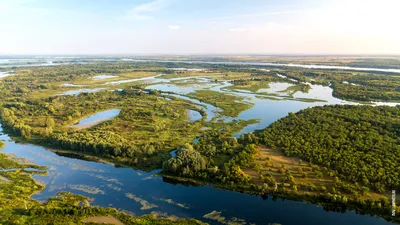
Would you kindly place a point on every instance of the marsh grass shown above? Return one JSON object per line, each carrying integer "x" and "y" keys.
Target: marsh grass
{"x": 231, "y": 105}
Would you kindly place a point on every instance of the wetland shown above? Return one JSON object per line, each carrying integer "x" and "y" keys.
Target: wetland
{"x": 113, "y": 142}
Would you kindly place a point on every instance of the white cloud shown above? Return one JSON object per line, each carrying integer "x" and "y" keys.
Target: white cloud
{"x": 260, "y": 14}
{"x": 174, "y": 27}
{"x": 137, "y": 12}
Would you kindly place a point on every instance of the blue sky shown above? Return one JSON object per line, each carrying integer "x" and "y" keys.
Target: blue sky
{"x": 199, "y": 26}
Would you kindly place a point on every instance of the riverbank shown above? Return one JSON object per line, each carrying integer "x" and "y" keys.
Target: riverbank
{"x": 330, "y": 203}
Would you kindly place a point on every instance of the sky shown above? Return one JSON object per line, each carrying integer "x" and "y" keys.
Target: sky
{"x": 199, "y": 27}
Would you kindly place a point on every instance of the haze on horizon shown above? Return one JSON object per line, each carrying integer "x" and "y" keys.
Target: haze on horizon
{"x": 199, "y": 27}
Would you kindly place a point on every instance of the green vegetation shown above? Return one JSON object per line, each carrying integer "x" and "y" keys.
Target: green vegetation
{"x": 215, "y": 158}
{"x": 16, "y": 186}
{"x": 148, "y": 127}
{"x": 358, "y": 146}
{"x": 143, "y": 116}
{"x": 187, "y": 162}
{"x": 382, "y": 91}
{"x": 350, "y": 153}
{"x": 231, "y": 105}
{"x": 309, "y": 100}
{"x": 359, "y": 142}
{"x": 269, "y": 97}
{"x": 217, "y": 216}
{"x": 353, "y": 61}
{"x": 250, "y": 85}
{"x": 298, "y": 87}
{"x": 331, "y": 155}
{"x": 353, "y": 86}
{"x": 263, "y": 81}
{"x": 379, "y": 62}
{"x": 151, "y": 219}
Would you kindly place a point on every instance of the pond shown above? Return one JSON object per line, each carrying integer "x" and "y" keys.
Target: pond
{"x": 97, "y": 118}
{"x": 84, "y": 90}
{"x": 103, "y": 77}
{"x": 193, "y": 115}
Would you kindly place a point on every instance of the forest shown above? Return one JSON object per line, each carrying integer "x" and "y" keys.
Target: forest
{"x": 361, "y": 143}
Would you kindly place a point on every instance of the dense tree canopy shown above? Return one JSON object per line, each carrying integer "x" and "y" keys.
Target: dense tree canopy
{"x": 362, "y": 143}
{"x": 187, "y": 162}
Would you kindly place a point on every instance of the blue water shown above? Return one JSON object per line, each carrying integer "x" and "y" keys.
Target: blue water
{"x": 97, "y": 118}
{"x": 193, "y": 115}
{"x": 265, "y": 110}
{"x": 84, "y": 90}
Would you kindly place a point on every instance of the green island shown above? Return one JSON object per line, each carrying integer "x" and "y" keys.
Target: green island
{"x": 336, "y": 156}
{"x": 250, "y": 85}
{"x": 231, "y": 105}
{"x": 299, "y": 87}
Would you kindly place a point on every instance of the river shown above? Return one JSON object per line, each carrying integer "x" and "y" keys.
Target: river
{"x": 145, "y": 192}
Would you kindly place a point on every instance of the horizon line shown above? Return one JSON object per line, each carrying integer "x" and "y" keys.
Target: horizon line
{"x": 202, "y": 54}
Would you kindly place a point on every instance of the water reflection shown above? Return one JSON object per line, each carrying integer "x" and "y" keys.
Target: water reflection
{"x": 103, "y": 77}
{"x": 85, "y": 90}
{"x": 276, "y": 88}
{"x": 97, "y": 118}
{"x": 193, "y": 115}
